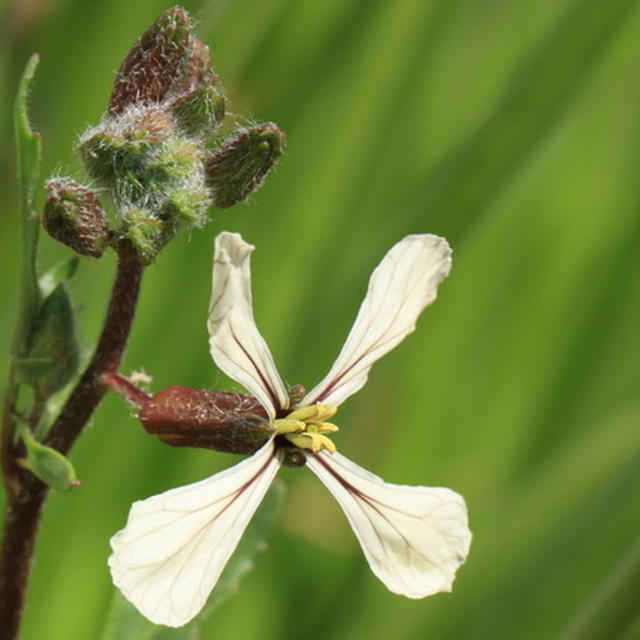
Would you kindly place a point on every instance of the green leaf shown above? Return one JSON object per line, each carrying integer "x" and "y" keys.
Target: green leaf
{"x": 47, "y": 464}
{"x": 53, "y": 338}
{"x": 61, "y": 272}
{"x": 30, "y": 370}
{"x": 28, "y": 153}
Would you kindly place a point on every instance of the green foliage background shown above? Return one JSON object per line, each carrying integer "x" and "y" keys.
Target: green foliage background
{"x": 511, "y": 128}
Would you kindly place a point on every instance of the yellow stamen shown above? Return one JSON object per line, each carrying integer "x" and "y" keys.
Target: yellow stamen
{"x": 304, "y": 427}
{"x": 313, "y": 413}
{"x": 287, "y": 425}
{"x": 325, "y": 411}
{"x": 312, "y": 441}
{"x": 327, "y": 427}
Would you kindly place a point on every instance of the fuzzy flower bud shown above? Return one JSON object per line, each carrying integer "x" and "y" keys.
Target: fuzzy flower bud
{"x": 74, "y": 216}
{"x": 238, "y": 167}
{"x": 155, "y": 62}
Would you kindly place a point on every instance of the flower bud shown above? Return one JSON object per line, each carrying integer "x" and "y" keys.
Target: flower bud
{"x": 238, "y": 167}
{"x": 117, "y": 150}
{"x": 74, "y": 216}
{"x": 196, "y": 69}
{"x": 199, "y": 111}
{"x": 151, "y": 67}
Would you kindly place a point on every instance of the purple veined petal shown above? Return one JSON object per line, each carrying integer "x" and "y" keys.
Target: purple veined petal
{"x": 414, "y": 538}
{"x": 234, "y": 340}
{"x": 401, "y": 286}
{"x": 175, "y": 545}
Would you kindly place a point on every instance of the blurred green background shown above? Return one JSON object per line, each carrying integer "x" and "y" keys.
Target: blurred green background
{"x": 512, "y": 128}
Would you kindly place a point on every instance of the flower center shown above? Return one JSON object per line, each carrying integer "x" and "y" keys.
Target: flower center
{"x": 305, "y": 427}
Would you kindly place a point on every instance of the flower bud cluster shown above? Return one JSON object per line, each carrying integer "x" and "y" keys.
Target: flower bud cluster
{"x": 153, "y": 153}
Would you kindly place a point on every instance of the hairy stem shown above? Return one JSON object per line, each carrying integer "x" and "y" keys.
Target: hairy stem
{"x": 26, "y": 494}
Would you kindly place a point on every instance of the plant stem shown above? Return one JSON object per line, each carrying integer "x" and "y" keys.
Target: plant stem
{"x": 22, "y": 517}
{"x": 107, "y": 356}
{"x": 26, "y": 494}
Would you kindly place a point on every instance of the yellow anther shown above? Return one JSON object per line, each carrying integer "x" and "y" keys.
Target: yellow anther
{"x": 287, "y": 425}
{"x": 304, "y": 427}
{"x": 327, "y": 427}
{"x": 305, "y": 413}
{"x": 325, "y": 411}
{"x": 313, "y": 413}
{"x": 312, "y": 441}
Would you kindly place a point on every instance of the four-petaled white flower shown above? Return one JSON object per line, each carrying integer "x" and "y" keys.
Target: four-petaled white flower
{"x": 175, "y": 545}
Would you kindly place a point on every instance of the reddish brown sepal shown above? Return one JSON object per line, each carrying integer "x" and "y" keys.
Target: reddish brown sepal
{"x": 185, "y": 417}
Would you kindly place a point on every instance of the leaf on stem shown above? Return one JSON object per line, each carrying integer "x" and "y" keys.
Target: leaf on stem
{"x": 30, "y": 370}
{"x": 53, "y": 339}
{"x": 47, "y": 464}
{"x": 59, "y": 273}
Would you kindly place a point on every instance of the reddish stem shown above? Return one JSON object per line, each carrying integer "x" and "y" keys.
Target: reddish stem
{"x": 136, "y": 396}
{"x": 27, "y": 494}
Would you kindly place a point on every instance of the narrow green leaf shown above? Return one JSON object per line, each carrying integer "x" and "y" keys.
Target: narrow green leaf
{"x": 53, "y": 338}
{"x": 61, "y": 272}
{"x": 47, "y": 464}
{"x": 28, "y": 153}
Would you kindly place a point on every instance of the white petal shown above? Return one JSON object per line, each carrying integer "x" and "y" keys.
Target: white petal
{"x": 401, "y": 286}
{"x": 235, "y": 342}
{"x": 414, "y": 538}
{"x": 174, "y": 546}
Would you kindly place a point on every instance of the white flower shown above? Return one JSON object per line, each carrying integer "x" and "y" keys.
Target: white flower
{"x": 175, "y": 545}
